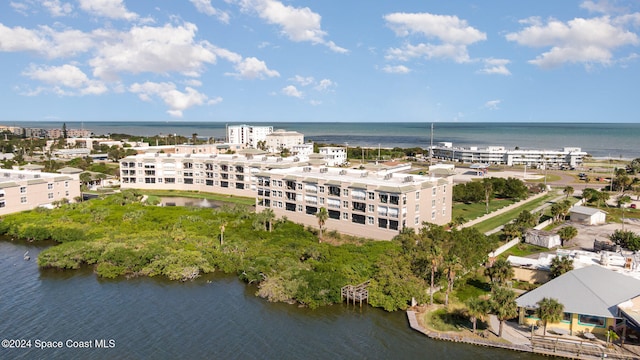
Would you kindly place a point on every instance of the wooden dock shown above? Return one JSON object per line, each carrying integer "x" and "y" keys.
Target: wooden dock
{"x": 353, "y": 293}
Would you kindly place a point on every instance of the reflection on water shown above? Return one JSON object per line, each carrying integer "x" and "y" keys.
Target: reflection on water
{"x": 185, "y": 201}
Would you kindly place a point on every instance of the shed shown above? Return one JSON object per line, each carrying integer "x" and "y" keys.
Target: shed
{"x": 542, "y": 238}
{"x": 587, "y": 215}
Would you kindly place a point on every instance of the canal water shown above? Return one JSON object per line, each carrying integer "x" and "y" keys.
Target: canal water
{"x": 214, "y": 317}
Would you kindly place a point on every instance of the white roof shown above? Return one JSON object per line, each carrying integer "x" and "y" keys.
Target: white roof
{"x": 585, "y": 210}
{"x": 592, "y": 290}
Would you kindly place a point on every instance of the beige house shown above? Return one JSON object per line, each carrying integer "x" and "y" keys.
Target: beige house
{"x": 22, "y": 190}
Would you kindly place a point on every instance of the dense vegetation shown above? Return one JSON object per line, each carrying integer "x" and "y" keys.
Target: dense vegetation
{"x": 120, "y": 236}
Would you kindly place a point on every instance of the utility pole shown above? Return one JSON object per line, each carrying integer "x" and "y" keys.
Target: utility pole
{"x": 431, "y": 147}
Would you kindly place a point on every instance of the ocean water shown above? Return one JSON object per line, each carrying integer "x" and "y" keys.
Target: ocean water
{"x": 599, "y": 140}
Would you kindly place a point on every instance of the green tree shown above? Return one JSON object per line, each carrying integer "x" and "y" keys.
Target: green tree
{"x": 435, "y": 259}
{"x": 568, "y": 191}
{"x": 503, "y": 305}
{"x": 452, "y": 266}
{"x": 85, "y": 178}
{"x": 477, "y": 309}
{"x": 500, "y": 272}
{"x": 560, "y": 265}
{"x": 626, "y": 239}
{"x": 567, "y": 233}
{"x": 549, "y": 311}
{"x": 268, "y": 216}
{"x": 512, "y": 230}
{"x": 323, "y": 216}
{"x": 488, "y": 192}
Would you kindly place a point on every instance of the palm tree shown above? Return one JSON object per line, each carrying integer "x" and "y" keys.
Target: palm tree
{"x": 477, "y": 309}
{"x": 322, "y": 216}
{"x": 568, "y": 190}
{"x": 500, "y": 272}
{"x": 622, "y": 200}
{"x": 549, "y": 311}
{"x": 567, "y": 233}
{"x": 560, "y": 265}
{"x": 503, "y": 304}
{"x": 222, "y": 227}
{"x": 267, "y": 216}
{"x": 435, "y": 260}
{"x": 488, "y": 192}
{"x": 452, "y": 266}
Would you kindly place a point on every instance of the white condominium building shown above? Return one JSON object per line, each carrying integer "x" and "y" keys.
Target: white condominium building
{"x": 248, "y": 135}
{"x": 571, "y": 156}
{"x": 22, "y": 190}
{"x": 335, "y": 156}
{"x": 371, "y": 204}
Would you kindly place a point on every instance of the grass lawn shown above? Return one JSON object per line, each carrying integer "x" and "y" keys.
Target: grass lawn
{"x": 523, "y": 249}
{"x": 475, "y": 210}
{"x": 502, "y": 219}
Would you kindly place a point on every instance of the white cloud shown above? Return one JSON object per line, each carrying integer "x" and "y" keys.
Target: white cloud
{"x": 57, "y": 8}
{"x": 152, "y": 49}
{"x": 178, "y": 101}
{"x": 205, "y": 7}
{"x": 602, "y": 6}
{"x": 19, "y": 7}
{"x": 292, "y": 91}
{"x": 45, "y": 41}
{"x": 452, "y": 36}
{"x": 579, "y": 40}
{"x": 324, "y": 84}
{"x": 66, "y": 76}
{"x": 113, "y": 9}
{"x": 304, "y": 81}
{"x": 495, "y": 66}
{"x": 252, "y": 68}
{"x": 315, "y": 102}
{"x": 492, "y": 104}
{"x": 399, "y": 69}
{"x": 297, "y": 24}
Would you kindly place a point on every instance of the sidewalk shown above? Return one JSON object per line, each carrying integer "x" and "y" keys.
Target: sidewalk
{"x": 510, "y": 332}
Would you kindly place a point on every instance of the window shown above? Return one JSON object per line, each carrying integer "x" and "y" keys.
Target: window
{"x": 591, "y": 320}
{"x": 66, "y": 184}
{"x": 49, "y": 186}
{"x": 417, "y": 195}
{"x": 345, "y": 204}
{"x": 433, "y": 203}
{"x": 434, "y": 191}
{"x": 417, "y": 220}
{"x": 322, "y": 189}
{"x": 299, "y": 208}
{"x": 23, "y": 200}
{"x": 23, "y": 189}
{"x": 370, "y": 220}
{"x": 2, "y": 204}
{"x": 345, "y": 192}
{"x": 371, "y": 208}
{"x": 371, "y": 195}
{"x": 50, "y": 195}
{"x": 417, "y": 207}
{"x": 345, "y": 216}
{"x": 566, "y": 317}
{"x": 433, "y": 215}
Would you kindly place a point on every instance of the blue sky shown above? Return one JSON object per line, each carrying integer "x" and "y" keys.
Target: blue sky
{"x": 279, "y": 60}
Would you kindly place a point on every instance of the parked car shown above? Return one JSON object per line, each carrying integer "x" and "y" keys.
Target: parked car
{"x": 633, "y": 206}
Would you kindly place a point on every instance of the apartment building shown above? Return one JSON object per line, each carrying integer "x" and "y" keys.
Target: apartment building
{"x": 372, "y": 204}
{"x": 248, "y": 135}
{"x": 571, "y": 156}
{"x": 361, "y": 203}
{"x": 335, "y": 156}
{"x": 22, "y": 190}
{"x": 231, "y": 174}
{"x": 283, "y": 139}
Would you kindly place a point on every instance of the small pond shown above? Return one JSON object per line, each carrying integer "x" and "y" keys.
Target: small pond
{"x": 186, "y": 201}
